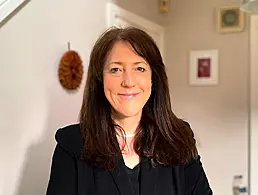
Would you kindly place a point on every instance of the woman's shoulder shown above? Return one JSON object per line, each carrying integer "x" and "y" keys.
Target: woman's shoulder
{"x": 195, "y": 177}
{"x": 70, "y": 139}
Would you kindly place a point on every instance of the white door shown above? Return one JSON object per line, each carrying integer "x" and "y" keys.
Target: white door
{"x": 117, "y": 16}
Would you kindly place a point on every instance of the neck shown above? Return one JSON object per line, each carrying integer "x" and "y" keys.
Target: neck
{"x": 129, "y": 124}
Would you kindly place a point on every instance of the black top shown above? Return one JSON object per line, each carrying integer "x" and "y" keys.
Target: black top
{"x": 134, "y": 178}
{"x": 72, "y": 176}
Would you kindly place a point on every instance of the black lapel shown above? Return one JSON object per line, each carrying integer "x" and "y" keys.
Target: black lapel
{"x": 148, "y": 178}
{"x": 85, "y": 178}
{"x": 121, "y": 178}
{"x": 167, "y": 181}
{"x": 158, "y": 180}
{"x": 179, "y": 180}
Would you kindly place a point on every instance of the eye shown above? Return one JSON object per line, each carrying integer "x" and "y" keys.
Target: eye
{"x": 114, "y": 70}
{"x": 141, "y": 69}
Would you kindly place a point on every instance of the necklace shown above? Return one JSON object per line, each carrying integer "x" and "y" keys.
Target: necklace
{"x": 130, "y": 135}
{"x": 127, "y": 135}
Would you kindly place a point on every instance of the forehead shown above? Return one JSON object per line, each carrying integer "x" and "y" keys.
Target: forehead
{"x": 123, "y": 51}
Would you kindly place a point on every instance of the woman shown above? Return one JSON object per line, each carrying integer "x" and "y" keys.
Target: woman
{"x": 128, "y": 141}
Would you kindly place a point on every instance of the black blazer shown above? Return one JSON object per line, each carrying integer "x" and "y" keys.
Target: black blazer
{"x": 71, "y": 176}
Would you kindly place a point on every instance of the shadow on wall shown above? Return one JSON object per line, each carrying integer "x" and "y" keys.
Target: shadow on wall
{"x": 36, "y": 169}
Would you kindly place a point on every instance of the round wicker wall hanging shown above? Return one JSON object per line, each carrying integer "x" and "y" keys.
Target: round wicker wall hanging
{"x": 70, "y": 70}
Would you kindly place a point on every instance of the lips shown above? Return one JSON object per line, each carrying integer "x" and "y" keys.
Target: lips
{"x": 128, "y": 95}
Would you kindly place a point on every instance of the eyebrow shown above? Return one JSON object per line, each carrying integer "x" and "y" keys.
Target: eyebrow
{"x": 121, "y": 63}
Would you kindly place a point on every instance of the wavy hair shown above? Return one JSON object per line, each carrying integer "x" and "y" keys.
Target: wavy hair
{"x": 161, "y": 136}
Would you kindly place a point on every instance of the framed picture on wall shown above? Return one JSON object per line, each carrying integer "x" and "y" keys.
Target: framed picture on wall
{"x": 230, "y": 19}
{"x": 204, "y": 67}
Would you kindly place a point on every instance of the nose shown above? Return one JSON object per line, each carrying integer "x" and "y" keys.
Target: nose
{"x": 128, "y": 79}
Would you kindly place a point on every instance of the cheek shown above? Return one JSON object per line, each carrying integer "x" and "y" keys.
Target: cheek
{"x": 110, "y": 86}
{"x": 106, "y": 86}
{"x": 145, "y": 84}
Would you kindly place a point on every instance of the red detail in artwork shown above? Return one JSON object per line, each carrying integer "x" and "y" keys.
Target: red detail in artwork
{"x": 204, "y": 67}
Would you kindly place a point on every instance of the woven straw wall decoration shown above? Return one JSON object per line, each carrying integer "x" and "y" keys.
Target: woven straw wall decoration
{"x": 70, "y": 70}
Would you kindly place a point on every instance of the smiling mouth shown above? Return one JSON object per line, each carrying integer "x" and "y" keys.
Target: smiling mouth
{"x": 128, "y": 95}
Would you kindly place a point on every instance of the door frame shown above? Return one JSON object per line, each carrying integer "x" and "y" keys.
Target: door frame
{"x": 253, "y": 118}
{"x": 114, "y": 11}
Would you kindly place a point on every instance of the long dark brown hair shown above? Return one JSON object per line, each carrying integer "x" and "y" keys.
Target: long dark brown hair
{"x": 161, "y": 137}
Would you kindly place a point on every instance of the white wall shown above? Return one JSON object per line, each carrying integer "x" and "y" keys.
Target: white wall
{"x": 33, "y": 104}
{"x": 254, "y": 106}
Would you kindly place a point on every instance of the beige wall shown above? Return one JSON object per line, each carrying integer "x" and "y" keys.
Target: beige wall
{"x": 218, "y": 114}
{"x": 254, "y": 105}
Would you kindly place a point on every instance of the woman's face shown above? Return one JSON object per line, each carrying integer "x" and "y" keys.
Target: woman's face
{"x": 127, "y": 80}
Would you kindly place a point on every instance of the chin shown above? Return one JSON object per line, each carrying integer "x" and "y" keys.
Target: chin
{"x": 129, "y": 113}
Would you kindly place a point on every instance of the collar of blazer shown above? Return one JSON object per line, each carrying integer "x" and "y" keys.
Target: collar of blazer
{"x": 148, "y": 178}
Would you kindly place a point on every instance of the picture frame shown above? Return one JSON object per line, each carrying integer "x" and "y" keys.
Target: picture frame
{"x": 230, "y": 19}
{"x": 164, "y": 6}
{"x": 8, "y": 6}
{"x": 204, "y": 67}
